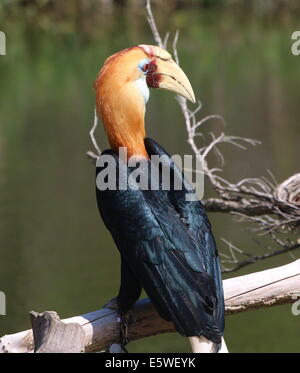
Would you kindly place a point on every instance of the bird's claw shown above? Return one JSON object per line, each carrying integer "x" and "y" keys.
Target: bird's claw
{"x": 124, "y": 322}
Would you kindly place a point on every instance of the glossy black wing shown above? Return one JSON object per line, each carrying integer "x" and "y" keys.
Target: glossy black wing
{"x": 194, "y": 215}
{"x": 164, "y": 255}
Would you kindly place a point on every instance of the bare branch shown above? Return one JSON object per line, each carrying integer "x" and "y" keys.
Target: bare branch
{"x": 101, "y": 328}
{"x": 153, "y": 26}
{"x": 92, "y": 156}
{"x": 92, "y": 133}
{"x": 175, "y": 41}
{"x": 166, "y": 38}
{"x": 238, "y": 263}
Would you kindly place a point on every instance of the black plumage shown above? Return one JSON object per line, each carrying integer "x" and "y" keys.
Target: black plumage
{"x": 167, "y": 248}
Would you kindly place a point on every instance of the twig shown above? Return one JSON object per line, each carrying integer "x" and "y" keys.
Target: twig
{"x": 153, "y": 26}
{"x": 252, "y": 258}
{"x": 92, "y": 132}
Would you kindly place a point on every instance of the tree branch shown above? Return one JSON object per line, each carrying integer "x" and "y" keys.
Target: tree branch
{"x": 238, "y": 263}
{"x": 101, "y": 328}
{"x": 242, "y": 206}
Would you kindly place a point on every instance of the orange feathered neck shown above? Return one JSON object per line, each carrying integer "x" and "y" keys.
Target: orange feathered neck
{"x": 119, "y": 102}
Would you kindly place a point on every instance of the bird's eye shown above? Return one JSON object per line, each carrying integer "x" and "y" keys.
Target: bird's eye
{"x": 145, "y": 68}
{"x": 144, "y": 65}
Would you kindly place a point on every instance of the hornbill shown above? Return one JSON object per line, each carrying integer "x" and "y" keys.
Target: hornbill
{"x": 165, "y": 240}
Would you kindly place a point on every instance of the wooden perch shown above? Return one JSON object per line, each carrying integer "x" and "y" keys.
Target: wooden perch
{"x": 98, "y": 330}
{"x": 49, "y": 331}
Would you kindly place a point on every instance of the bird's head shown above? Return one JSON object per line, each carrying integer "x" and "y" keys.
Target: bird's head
{"x": 122, "y": 90}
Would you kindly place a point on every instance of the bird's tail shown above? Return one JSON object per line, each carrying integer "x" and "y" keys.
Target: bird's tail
{"x": 203, "y": 345}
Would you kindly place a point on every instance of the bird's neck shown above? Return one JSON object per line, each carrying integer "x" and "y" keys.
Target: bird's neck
{"x": 123, "y": 117}
{"x": 128, "y": 133}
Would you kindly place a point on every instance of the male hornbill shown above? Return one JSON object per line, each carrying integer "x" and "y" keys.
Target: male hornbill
{"x": 165, "y": 241}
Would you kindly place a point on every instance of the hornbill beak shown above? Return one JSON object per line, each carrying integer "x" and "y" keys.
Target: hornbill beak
{"x": 174, "y": 79}
{"x": 168, "y": 75}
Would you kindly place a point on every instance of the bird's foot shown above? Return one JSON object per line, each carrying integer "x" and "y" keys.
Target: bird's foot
{"x": 124, "y": 323}
{"x": 124, "y": 319}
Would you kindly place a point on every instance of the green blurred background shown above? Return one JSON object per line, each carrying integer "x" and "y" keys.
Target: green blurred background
{"x": 55, "y": 253}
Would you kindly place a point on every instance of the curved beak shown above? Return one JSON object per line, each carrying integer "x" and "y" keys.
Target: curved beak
{"x": 170, "y": 76}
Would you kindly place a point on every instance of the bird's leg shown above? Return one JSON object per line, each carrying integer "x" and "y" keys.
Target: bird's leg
{"x": 129, "y": 292}
{"x": 124, "y": 323}
{"x": 124, "y": 320}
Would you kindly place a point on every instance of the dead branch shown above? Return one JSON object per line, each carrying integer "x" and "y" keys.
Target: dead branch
{"x": 289, "y": 191}
{"x": 101, "y": 328}
{"x": 234, "y": 255}
{"x": 49, "y": 332}
{"x": 90, "y": 154}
